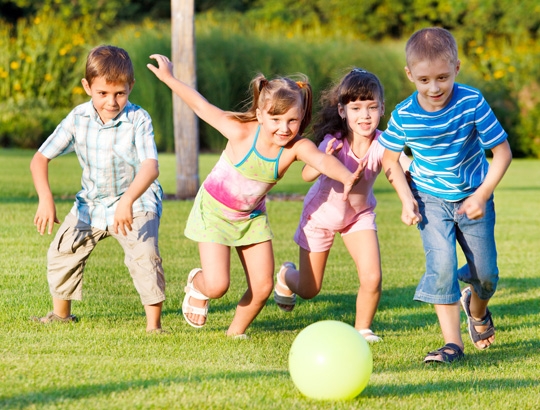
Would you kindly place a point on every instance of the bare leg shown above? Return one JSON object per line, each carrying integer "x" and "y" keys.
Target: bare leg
{"x": 258, "y": 263}
{"x": 307, "y": 281}
{"x": 153, "y": 316}
{"x": 214, "y": 279}
{"x": 61, "y": 307}
{"x": 449, "y": 319}
{"x": 363, "y": 247}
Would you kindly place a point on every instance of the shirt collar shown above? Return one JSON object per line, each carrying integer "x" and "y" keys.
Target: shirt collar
{"x": 92, "y": 113}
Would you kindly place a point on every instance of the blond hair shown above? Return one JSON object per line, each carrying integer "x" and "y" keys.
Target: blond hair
{"x": 277, "y": 96}
{"x": 110, "y": 62}
{"x": 430, "y": 44}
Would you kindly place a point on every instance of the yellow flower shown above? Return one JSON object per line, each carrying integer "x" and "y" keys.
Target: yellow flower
{"x": 28, "y": 59}
{"x": 512, "y": 69}
{"x": 498, "y": 74}
{"x": 17, "y": 87}
{"x": 3, "y": 74}
{"x": 48, "y": 77}
{"x": 479, "y": 50}
{"x": 37, "y": 20}
{"x": 78, "y": 90}
{"x": 73, "y": 59}
{"x": 77, "y": 40}
{"x": 14, "y": 65}
{"x": 62, "y": 52}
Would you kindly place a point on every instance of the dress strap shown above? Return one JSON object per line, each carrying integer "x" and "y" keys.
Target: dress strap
{"x": 251, "y": 149}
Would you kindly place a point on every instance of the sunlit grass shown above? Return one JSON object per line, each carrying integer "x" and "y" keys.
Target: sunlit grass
{"x": 106, "y": 361}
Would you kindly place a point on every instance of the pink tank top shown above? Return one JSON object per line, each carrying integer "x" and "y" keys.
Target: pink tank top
{"x": 243, "y": 187}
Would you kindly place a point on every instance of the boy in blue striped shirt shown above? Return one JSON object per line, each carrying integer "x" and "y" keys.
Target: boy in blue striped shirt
{"x": 120, "y": 195}
{"x": 448, "y": 126}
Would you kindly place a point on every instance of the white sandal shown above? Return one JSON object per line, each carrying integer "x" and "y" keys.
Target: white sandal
{"x": 191, "y": 292}
{"x": 370, "y": 336}
{"x": 287, "y": 300}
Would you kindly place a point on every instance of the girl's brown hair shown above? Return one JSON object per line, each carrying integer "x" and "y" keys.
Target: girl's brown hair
{"x": 277, "y": 96}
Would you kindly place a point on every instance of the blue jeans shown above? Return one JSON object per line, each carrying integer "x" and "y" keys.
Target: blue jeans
{"x": 441, "y": 228}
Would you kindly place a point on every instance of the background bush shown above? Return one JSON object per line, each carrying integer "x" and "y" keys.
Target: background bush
{"x": 43, "y": 45}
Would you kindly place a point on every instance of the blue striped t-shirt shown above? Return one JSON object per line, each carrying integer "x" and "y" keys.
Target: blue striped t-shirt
{"x": 448, "y": 145}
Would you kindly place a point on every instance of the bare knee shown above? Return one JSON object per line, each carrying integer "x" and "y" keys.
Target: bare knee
{"x": 215, "y": 289}
{"x": 309, "y": 292}
{"x": 371, "y": 284}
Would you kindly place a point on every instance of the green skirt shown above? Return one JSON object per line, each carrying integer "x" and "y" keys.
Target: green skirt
{"x": 208, "y": 222}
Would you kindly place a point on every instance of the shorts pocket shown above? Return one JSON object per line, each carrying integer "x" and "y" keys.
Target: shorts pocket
{"x": 72, "y": 239}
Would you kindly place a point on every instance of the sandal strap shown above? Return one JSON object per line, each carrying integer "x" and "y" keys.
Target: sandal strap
{"x": 190, "y": 289}
{"x": 457, "y": 353}
{"x": 190, "y": 309}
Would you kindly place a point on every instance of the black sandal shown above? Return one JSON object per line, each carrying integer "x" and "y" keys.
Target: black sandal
{"x": 442, "y": 356}
{"x": 472, "y": 322}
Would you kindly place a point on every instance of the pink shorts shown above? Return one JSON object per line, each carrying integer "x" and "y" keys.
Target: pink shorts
{"x": 315, "y": 237}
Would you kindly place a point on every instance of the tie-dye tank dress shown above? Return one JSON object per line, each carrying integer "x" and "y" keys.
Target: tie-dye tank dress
{"x": 230, "y": 207}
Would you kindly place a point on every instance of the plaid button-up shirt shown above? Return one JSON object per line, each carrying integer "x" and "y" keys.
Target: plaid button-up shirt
{"x": 110, "y": 156}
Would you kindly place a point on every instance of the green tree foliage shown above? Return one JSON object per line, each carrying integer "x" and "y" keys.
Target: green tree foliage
{"x": 498, "y": 39}
{"x": 105, "y": 13}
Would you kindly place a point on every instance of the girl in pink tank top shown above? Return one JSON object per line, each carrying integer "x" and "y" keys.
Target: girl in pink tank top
{"x": 229, "y": 210}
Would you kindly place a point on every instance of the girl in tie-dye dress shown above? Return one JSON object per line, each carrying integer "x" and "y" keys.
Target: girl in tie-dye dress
{"x": 230, "y": 207}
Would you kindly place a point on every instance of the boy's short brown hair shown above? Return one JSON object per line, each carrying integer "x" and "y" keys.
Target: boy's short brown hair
{"x": 430, "y": 44}
{"x": 112, "y": 63}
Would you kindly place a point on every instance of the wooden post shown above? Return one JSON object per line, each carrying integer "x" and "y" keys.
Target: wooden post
{"x": 186, "y": 130}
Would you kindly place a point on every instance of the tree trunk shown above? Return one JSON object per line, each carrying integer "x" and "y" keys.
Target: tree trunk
{"x": 186, "y": 130}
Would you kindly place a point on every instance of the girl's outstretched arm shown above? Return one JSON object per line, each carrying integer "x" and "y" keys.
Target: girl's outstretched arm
{"x": 311, "y": 174}
{"x": 207, "y": 112}
{"x": 328, "y": 165}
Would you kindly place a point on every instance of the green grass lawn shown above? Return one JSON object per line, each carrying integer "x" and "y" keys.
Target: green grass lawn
{"x": 107, "y": 361}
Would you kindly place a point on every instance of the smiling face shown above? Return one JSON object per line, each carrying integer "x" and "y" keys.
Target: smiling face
{"x": 434, "y": 81}
{"x": 108, "y": 98}
{"x": 362, "y": 116}
{"x": 281, "y": 128}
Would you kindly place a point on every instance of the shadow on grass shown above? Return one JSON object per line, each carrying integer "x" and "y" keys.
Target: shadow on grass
{"x": 408, "y": 389}
{"x": 58, "y": 396}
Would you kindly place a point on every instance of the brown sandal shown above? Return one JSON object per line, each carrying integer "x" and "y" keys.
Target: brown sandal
{"x": 51, "y": 318}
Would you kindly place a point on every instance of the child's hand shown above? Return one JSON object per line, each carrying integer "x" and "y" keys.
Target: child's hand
{"x": 45, "y": 215}
{"x": 474, "y": 207}
{"x": 353, "y": 180}
{"x": 123, "y": 217}
{"x": 410, "y": 213}
{"x": 164, "y": 69}
{"x": 330, "y": 146}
